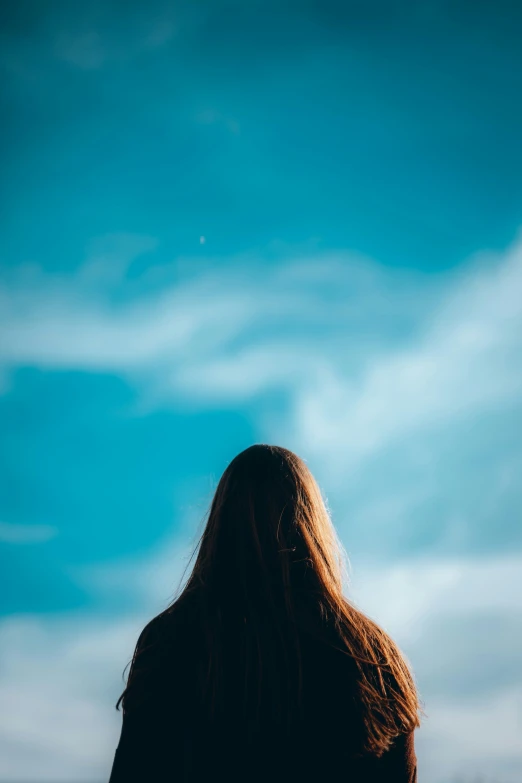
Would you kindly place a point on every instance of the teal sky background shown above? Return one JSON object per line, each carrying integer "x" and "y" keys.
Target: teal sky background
{"x": 233, "y": 222}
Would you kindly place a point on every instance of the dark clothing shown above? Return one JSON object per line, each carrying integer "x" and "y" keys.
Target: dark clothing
{"x": 165, "y": 739}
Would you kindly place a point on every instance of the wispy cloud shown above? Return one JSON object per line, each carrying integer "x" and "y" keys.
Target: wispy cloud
{"x": 53, "y": 322}
{"x": 367, "y": 356}
{"x": 466, "y": 359}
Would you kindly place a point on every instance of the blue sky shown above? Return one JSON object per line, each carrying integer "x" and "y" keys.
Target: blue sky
{"x": 226, "y": 223}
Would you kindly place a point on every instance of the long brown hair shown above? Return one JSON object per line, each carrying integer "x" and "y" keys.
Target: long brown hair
{"x": 269, "y": 564}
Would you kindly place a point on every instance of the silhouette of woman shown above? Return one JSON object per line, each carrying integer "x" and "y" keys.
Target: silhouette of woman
{"x": 261, "y": 670}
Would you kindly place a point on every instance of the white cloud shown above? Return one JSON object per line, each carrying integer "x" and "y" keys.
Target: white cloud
{"x": 59, "y": 682}
{"x": 468, "y": 359}
{"x": 57, "y": 323}
{"x": 319, "y": 329}
{"x": 473, "y": 742}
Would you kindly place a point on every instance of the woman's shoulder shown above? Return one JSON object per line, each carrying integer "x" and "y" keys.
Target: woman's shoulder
{"x": 172, "y": 630}
{"x": 162, "y": 656}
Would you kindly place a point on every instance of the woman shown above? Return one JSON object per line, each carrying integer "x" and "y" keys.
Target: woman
{"x": 262, "y": 670}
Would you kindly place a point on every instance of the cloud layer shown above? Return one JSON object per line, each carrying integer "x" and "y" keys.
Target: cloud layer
{"x": 403, "y": 393}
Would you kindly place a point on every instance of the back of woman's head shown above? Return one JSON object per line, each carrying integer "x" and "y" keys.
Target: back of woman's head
{"x": 269, "y": 567}
{"x": 268, "y": 543}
